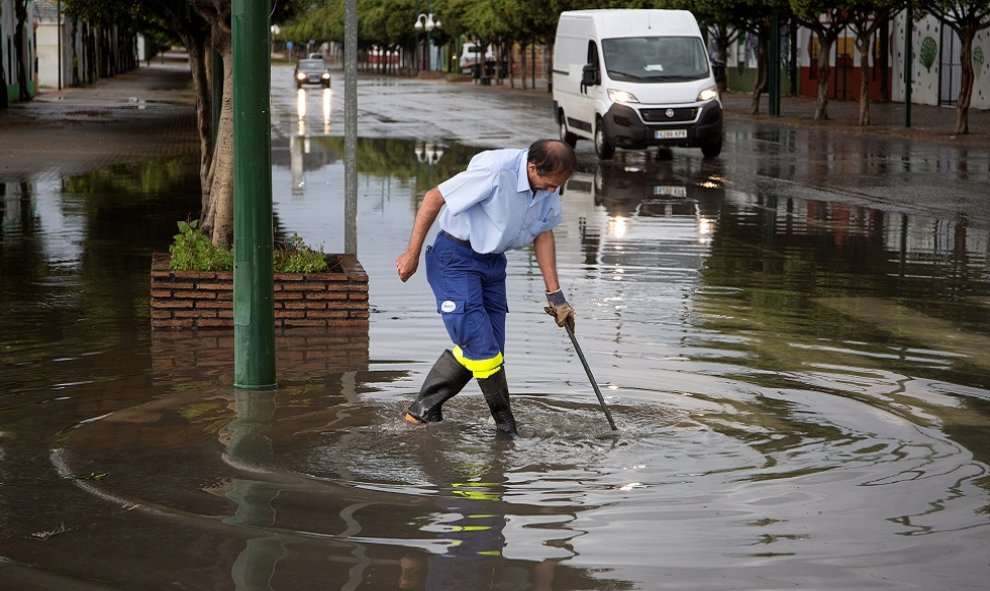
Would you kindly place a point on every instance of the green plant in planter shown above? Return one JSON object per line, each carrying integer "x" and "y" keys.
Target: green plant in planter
{"x": 192, "y": 250}
{"x": 296, "y": 257}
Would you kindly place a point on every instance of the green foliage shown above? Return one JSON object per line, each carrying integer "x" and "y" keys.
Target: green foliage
{"x": 192, "y": 250}
{"x": 296, "y": 257}
{"x": 928, "y": 52}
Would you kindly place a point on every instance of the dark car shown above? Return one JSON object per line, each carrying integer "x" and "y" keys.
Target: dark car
{"x": 312, "y": 71}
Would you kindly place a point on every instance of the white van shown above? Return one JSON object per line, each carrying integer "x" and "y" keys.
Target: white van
{"x": 634, "y": 79}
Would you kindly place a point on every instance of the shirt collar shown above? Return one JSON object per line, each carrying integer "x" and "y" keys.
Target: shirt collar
{"x": 522, "y": 181}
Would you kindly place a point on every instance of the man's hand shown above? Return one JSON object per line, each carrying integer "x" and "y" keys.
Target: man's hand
{"x": 562, "y": 312}
{"x": 407, "y": 263}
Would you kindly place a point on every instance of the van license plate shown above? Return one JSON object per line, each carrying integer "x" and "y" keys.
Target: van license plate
{"x": 670, "y": 134}
{"x": 669, "y": 191}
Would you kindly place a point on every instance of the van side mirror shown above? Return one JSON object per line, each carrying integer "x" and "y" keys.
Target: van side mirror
{"x": 589, "y": 75}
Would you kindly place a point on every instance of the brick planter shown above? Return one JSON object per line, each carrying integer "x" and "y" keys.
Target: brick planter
{"x": 192, "y": 299}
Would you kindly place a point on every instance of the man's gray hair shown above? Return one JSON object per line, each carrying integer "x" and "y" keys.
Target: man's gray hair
{"x": 552, "y": 156}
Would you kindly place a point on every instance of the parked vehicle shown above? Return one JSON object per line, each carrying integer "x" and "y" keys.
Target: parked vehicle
{"x": 312, "y": 71}
{"x": 634, "y": 79}
{"x": 471, "y": 57}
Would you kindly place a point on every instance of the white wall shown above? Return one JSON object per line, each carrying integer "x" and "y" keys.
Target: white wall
{"x": 48, "y": 63}
{"x": 925, "y": 86}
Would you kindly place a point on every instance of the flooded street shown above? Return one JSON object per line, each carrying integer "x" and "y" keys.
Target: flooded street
{"x": 792, "y": 340}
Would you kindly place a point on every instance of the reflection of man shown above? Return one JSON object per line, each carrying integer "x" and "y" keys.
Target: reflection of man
{"x": 471, "y": 515}
{"x": 506, "y": 199}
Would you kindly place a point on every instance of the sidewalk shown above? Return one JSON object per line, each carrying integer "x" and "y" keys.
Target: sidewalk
{"x": 928, "y": 124}
{"x": 139, "y": 114}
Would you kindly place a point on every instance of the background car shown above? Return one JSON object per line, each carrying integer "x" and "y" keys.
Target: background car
{"x": 471, "y": 56}
{"x": 312, "y": 71}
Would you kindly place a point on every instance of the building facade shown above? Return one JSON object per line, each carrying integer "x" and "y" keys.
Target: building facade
{"x": 53, "y": 50}
{"x": 936, "y": 64}
{"x": 18, "y": 66}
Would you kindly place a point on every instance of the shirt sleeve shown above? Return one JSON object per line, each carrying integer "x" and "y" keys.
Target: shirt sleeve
{"x": 466, "y": 189}
{"x": 554, "y": 216}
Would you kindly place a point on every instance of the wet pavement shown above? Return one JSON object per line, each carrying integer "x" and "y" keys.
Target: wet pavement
{"x": 791, "y": 338}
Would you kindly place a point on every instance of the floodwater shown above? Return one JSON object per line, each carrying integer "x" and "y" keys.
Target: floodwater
{"x": 792, "y": 340}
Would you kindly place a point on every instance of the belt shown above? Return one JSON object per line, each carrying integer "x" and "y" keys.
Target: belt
{"x": 452, "y": 238}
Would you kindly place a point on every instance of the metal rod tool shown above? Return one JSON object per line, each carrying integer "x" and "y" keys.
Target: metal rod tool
{"x": 584, "y": 362}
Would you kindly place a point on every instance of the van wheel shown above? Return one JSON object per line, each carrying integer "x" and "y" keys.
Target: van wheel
{"x": 712, "y": 149}
{"x": 565, "y": 136}
{"x": 603, "y": 147}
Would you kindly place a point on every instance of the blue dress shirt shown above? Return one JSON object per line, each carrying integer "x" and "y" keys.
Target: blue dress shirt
{"x": 491, "y": 204}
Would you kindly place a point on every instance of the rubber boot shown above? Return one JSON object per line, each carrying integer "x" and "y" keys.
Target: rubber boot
{"x": 446, "y": 379}
{"x": 496, "y": 392}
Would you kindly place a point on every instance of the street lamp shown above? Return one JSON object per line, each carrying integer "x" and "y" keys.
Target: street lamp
{"x": 275, "y": 29}
{"x": 426, "y": 22}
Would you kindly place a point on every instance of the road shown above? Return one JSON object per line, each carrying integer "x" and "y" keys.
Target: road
{"x": 792, "y": 339}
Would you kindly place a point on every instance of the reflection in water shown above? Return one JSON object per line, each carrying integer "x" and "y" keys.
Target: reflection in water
{"x": 471, "y": 517}
{"x": 428, "y": 152}
{"x": 300, "y": 142}
{"x": 644, "y": 204}
{"x": 327, "y": 101}
{"x": 249, "y": 450}
{"x": 800, "y": 376}
{"x": 301, "y": 109}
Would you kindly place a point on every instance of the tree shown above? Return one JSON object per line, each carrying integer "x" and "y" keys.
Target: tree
{"x": 826, "y": 20}
{"x": 865, "y": 18}
{"x": 3, "y": 75}
{"x": 719, "y": 19}
{"x": 754, "y": 17}
{"x": 202, "y": 26}
{"x": 20, "y": 46}
{"x": 178, "y": 21}
{"x": 966, "y": 19}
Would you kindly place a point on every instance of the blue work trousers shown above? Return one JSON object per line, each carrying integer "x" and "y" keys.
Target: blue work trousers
{"x": 470, "y": 294}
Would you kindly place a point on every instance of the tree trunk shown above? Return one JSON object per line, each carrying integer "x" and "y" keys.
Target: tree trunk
{"x": 864, "y": 41}
{"x": 4, "y": 102}
{"x": 20, "y": 11}
{"x": 3, "y": 80}
{"x": 824, "y": 71}
{"x": 722, "y": 43}
{"x": 884, "y": 36}
{"x": 793, "y": 70}
{"x": 222, "y": 185}
{"x": 522, "y": 64}
{"x": 762, "y": 67}
{"x": 966, "y": 88}
{"x": 198, "y": 49}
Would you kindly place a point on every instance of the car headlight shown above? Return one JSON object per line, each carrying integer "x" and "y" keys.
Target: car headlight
{"x": 301, "y": 75}
{"x": 622, "y": 96}
{"x": 708, "y": 94}
{"x": 326, "y": 75}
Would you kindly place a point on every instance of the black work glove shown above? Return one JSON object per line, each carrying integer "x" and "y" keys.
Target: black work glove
{"x": 562, "y": 312}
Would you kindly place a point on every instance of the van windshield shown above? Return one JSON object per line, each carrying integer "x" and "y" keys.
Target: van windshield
{"x": 655, "y": 59}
